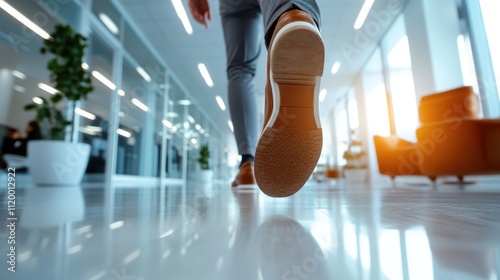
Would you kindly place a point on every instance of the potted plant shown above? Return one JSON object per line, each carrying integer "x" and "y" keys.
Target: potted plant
{"x": 206, "y": 174}
{"x": 355, "y": 169}
{"x": 53, "y": 160}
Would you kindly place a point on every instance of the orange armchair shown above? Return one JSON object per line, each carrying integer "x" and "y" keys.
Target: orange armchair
{"x": 452, "y": 140}
{"x": 395, "y": 156}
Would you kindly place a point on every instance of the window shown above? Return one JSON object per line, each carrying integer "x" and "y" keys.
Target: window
{"x": 467, "y": 62}
{"x": 94, "y": 122}
{"x": 376, "y": 97}
{"x": 342, "y": 131}
{"x": 490, "y": 10}
{"x": 402, "y": 89}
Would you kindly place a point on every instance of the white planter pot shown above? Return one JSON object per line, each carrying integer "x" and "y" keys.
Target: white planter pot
{"x": 205, "y": 176}
{"x": 57, "y": 162}
{"x": 356, "y": 175}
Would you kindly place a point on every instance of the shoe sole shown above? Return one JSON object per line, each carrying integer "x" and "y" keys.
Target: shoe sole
{"x": 290, "y": 144}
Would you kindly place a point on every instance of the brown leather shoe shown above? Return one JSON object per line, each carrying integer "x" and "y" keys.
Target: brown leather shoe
{"x": 291, "y": 141}
{"x": 245, "y": 176}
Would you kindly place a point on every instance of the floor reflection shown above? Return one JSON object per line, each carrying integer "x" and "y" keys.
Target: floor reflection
{"x": 215, "y": 232}
{"x": 286, "y": 250}
{"x": 46, "y": 207}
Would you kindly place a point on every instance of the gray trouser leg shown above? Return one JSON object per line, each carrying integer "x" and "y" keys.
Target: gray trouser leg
{"x": 241, "y": 22}
{"x": 243, "y": 33}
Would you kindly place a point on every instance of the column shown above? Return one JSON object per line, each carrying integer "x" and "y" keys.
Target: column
{"x": 6, "y": 80}
{"x": 433, "y": 28}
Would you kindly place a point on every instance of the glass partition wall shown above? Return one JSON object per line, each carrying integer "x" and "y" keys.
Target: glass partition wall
{"x": 139, "y": 121}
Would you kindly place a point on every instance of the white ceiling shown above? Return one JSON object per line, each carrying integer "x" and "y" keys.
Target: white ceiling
{"x": 182, "y": 52}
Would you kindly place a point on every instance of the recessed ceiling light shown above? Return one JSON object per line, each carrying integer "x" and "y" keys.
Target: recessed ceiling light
{"x": 109, "y": 23}
{"x": 100, "y": 77}
{"x": 117, "y": 224}
{"x": 94, "y": 128}
{"x": 24, "y": 20}
{"x": 194, "y": 141}
{"x": 87, "y": 131}
{"x": 143, "y": 73}
{"x": 121, "y": 114}
{"x": 18, "y": 74}
{"x": 181, "y": 13}
{"x": 322, "y": 95}
{"x": 198, "y": 127}
{"x": 190, "y": 119}
{"x": 24, "y": 256}
{"x": 139, "y": 104}
{"x": 131, "y": 257}
{"x": 167, "y": 123}
{"x": 230, "y": 123}
{"x": 19, "y": 88}
{"x": 74, "y": 249}
{"x": 85, "y": 114}
{"x": 205, "y": 74}
{"x": 186, "y": 125}
{"x": 37, "y": 100}
{"x": 365, "y": 10}
{"x": 121, "y": 92}
{"x": 47, "y": 88}
{"x": 125, "y": 134}
{"x": 85, "y": 66}
{"x": 184, "y": 102}
{"x": 336, "y": 67}
{"x": 172, "y": 115}
{"x": 221, "y": 103}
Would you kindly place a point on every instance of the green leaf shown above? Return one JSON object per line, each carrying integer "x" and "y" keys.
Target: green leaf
{"x": 30, "y": 107}
{"x": 56, "y": 98}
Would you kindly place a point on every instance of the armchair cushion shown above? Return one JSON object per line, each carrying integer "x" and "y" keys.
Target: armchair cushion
{"x": 459, "y": 103}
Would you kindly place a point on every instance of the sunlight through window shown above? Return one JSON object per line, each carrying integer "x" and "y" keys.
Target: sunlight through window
{"x": 403, "y": 90}
{"x": 490, "y": 10}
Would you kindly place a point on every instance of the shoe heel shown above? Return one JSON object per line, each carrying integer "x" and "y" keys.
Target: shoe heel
{"x": 247, "y": 179}
{"x": 297, "y": 55}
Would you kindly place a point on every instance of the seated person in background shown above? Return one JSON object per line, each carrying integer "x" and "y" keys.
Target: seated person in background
{"x": 13, "y": 144}
{"x": 33, "y": 132}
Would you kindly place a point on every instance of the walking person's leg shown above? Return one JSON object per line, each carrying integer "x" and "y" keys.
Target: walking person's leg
{"x": 242, "y": 25}
{"x": 291, "y": 141}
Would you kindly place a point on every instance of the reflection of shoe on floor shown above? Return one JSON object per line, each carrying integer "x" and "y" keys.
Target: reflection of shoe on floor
{"x": 287, "y": 250}
{"x": 291, "y": 141}
{"x": 245, "y": 176}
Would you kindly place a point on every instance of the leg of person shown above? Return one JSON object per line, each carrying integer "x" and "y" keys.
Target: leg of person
{"x": 291, "y": 140}
{"x": 242, "y": 25}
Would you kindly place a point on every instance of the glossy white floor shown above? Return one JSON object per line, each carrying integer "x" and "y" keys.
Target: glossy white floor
{"x": 215, "y": 232}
